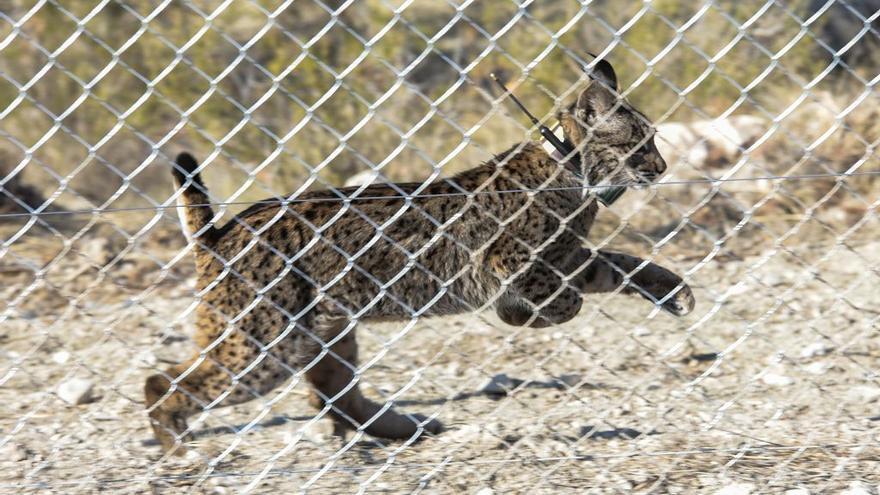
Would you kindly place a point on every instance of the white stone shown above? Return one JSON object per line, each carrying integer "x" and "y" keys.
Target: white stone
{"x": 817, "y": 368}
{"x": 12, "y": 452}
{"x": 863, "y": 393}
{"x": 452, "y": 368}
{"x": 500, "y": 384}
{"x": 736, "y": 489}
{"x": 641, "y": 331}
{"x": 797, "y": 491}
{"x": 776, "y": 380}
{"x": 61, "y": 357}
{"x": 772, "y": 279}
{"x": 319, "y": 433}
{"x": 363, "y": 177}
{"x": 192, "y": 456}
{"x": 677, "y": 143}
{"x": 707, "y": 480}
{"x": 815, "y": 349}
{"x": 493, "y": 428}
{"x": 857, "y": 488}
{"x": 76, "y": 391}
{"x": 708, "y": 143}
{"x": 148, "y": 359}
{"x": 97, "y": 250}
{"x": 485, "y": 491}
{"x": 467, "y": 433}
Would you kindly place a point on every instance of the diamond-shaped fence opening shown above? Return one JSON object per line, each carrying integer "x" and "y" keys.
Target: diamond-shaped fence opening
{"x": 386, "y": 279}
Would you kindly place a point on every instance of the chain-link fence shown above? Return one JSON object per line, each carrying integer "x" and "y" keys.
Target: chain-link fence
{"x": 119, "y": 352}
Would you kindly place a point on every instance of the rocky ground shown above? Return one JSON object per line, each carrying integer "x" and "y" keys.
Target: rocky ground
{"x": 770, "y": 385}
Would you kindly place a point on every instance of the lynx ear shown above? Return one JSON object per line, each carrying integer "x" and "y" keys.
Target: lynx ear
{"x": 599, "y": 98}
{"x": 604, "y": 73}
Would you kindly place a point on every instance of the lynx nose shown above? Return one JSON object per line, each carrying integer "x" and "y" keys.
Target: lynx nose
{"x": 652, "y": 167}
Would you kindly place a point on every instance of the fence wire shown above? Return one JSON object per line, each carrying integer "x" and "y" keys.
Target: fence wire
{"x": 765, "y": 113}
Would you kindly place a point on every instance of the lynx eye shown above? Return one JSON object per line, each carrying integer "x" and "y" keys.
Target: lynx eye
{"x": 646, "y": 147}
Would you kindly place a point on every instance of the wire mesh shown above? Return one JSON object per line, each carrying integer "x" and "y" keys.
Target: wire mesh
{"x": 765, "y": 112}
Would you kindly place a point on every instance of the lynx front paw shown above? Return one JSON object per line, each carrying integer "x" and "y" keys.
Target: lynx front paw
{"x": 680, "y": 303}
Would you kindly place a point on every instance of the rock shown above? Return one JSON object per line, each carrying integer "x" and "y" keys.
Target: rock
{"x": 219, "y": 486}
{"x": 61, "y": 357}
{"x": 623, "y": 486}
{"x": 500, "y": 384}
{"x": 863, "y": 393}
{"x": 726, "y": 137}
{"x": 815, "y": 349}
{"x": 97, "y": 250}
{"x": 817, "y": 368}
{"x": 797, "y": 491}
{"x": 776, "y": 380}
{"x": 466, "y": 433}
{"x": 363, "y": 177}
{"x": 76, "y": 391}
{"x": 192, "y": 456}
{"x": 493, "y": 428}
{"x": 146, "y": 359}
{"x": 708, "y": 143}
{"x": 677, "y": 142}
{"x": 707, "y": 480}
{"x": 772, "y": 279}
{"x": 452, "y": 369}
{"x": 736, "y": 489}
{"x": 641, "y": 331}
{"x": 12, "y": 452}
{"x": 318, "y": 433}
{"x": 485, "y": 491}
{"x": 857, "y": 488}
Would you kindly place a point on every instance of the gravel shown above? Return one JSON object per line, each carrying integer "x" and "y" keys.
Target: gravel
{"x": 617, "y": 400}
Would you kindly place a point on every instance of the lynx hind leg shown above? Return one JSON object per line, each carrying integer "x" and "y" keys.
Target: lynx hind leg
{"x": 169, "y": 406}
{"x": 217, "y": 380}
{"x": 334, "y": 382}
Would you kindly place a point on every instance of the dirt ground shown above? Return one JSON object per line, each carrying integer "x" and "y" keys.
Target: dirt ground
{"x": 770, "y": 385}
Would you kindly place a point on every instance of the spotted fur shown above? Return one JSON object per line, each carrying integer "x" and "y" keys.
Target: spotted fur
{"x": 282, "y": 287}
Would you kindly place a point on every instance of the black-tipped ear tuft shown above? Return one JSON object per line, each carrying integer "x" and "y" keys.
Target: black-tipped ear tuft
{"x": 603, "y": 71}
{"x": 186, "y": 165}
{"x": 186, "y": 162}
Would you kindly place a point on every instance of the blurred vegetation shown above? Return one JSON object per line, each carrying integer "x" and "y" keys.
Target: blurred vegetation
{"x": 286, "y": 97}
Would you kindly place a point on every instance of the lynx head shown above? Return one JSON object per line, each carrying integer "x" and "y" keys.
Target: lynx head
{"x": 616, "y": 141}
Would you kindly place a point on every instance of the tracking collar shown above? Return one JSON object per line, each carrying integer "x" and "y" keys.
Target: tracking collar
{"x": 559, "y": 149}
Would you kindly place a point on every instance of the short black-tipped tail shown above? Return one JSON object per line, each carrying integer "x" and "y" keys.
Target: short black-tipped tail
{"x": 194, "y": 205}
